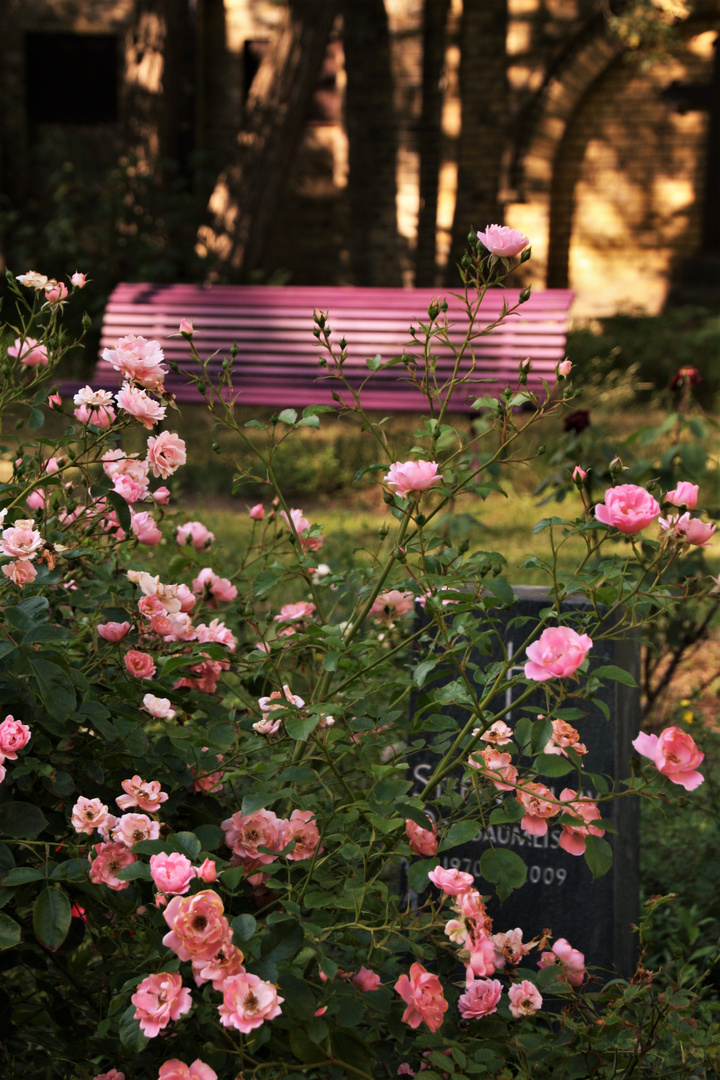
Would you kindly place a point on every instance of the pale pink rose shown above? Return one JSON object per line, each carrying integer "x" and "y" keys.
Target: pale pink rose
{"x": 172, "y": 873}
{"x": 186, "y": 326}
{"x": 496, "y": 766}
{"x": 573, "y": 837}
{"x": 628, "y": 508}
{"x": 198, "y": 927}
{"x": 452, "y": 882}
{"x": 503, "y": 241}
{"x": 535, "y": 801}
{"x": 392, "y": 605}
{"x": 301, "y": 828}
{"x": 117, "y": 463}
{"x": 412, "y": 476}
{"x": 365, "y": 979}
{"x": 226, "y": 962}
{"x": 564, "y": 368}
{"x": 143, "y": 408}
{"x": 145, "y": 528}
{"x": 498, "y": 734}
{"x": 195, "y": 534}
{"x": 422, "y": 841}
{"x": 88, "y": 815}
{"x": 54, "y": 401}
{"x": 578, "y": 474}
{"x": 112, "y": 1075}
{"x": 690, "y": 530}
{"x": 37, "y": 500}
{"x": 480, "y": 999}
{"x": 295, "y": 612}
{"x": 685, "y": 494}
{"x": 14, "y": 736}
{"x": 423, "y": 995}
{"x": 21, "y": 540}
{"x": 151, "y": 606}
{"x": 301, "y": 523}
{"x": 175, "y": 627}
{"x": 405, "y": 1070}
{"x": 158, "y": 1000}
{"x": 113, "y": 631}
{"x": 138, "y": 360}
{"x": 29, "y": 352}
{"x": 106, "y": 827}
{"x": 101, "y": 417}
{"x": 480, "y": 961}
{"x": 564, "y": 735}
{"x": 245, "y": 833}
{"x": 159, "y": 707}
{"x": 257, "y": 512}
{"x": 145, "y": 794}
{"x": 279, "y": 700}
{"x": 674, "y": 754}
{"x": 20, "y": 573}
{"x": 109, "y": 858}
{"x": 78, "y": 280}
{"x": 55, "y": 291}
{"x": 215, "y": 589}
{"x": 557, "y": 654}
{"x": 525, "y": 999}
{"x": 571, "y": 960}
{"x": 178, "y": 1070}
{"x": 248, "y": 1002}
{"x": 161, "y": 495}
{"x": 165, "y": 453}
{"x": 131, "y": 829}
{"x": 509, "y": 948}
{"x": 207, "y": 871}
{"x": 139, "y": 664}
{"x": 186, "y": 597}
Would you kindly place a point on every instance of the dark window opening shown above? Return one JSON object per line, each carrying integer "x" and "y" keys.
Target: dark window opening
{"x": 71, "y": 78}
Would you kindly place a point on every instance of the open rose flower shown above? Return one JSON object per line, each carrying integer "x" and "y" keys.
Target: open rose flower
{"x": 21, "y": 572}
{"x": 628, "y": 508}
{"x": 452, "y": 882}
{"x": 538, "y": 804}
{"x": 138, "y": 360}
{"x": 109, "y": 858}
{"x": 131, "y": 829}
{"x": 674, "y": 754}
{"x": 165, "y": 454}
{"x": 248, "y": 1002}
{"x": 145, "y": 794}
{"x": 689, "y": 530}
{"x": 139, "y": 664}
{"x": 412, "y": 476}
{"x": 139, "y": 405}
{"x": 29, "y": 352}
{"x": 21, "y": 541}
{"x": 301, "y": 828}
{"x": 88, "y": 815}
{"x": 423, "y": 994}
{"x": 573, "y": 837}
{"x": 480, "y": 999}
{"x": 503, "y": 241}
{"x": 302, "y": 525}
{"x": 558, "y": 653}
{"x": 198, "y": 927}
{"x": 195, "y": 534}
{"x": 113, "y": 631}
{"x": 525, "y": 999}
{"x": 178, "y": 1070}
{"x": 572, "y": 961}
{"x": 158, "y": 1000}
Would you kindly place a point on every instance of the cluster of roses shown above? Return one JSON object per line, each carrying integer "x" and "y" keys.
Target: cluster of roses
{"x": 20, "y": 542}
{"x": 14, "y": 736}
{"x": 483, "y": 954}
{"x": 28, "y": 350}
{"x": 171, "y": 1070}
{"x": 631, "y": 509}
{"x": 296, "y": 838}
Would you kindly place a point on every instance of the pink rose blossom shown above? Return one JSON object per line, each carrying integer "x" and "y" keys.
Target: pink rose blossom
{"x": 139, "y": 664}
{"x": 158, "y": 1000}
{"x": 54, "y": 401}
{"x": 113, "y": 631}
{"x": 452, "y": 882}
{"x": 628, "y": 508}
{"x": 186, "y": 326}
{"x": 144, "y": 794}
{"x": 564, "y": 736}
{"x": 257, "y": 512}
{"x": 480, "y": 999}
{"x": 299, "y": 612}
{"x": 557, "y": 654}
{"x": 392, "y": 605}
{"x": 78, "y": 280}
{"x": 88, "y": 815}
{"x": 159, "y": 707}
{"x": 101, "y": 417}
{"x": 117, "y": 463}
{"x": 690, "y": 530}
{"x": 685, "y": 494}
{"x": 365, "y": 979}
{"x": 138, "y": 360}
{"x": 525, "y": 999}
{"x": 37, "y": 500}
{"x": 207, "y": 871}
{"x": 112, "y": 1075}
{"x": 301, "y": 828}
{"x": 55, "y": 291}
{"x": 195, "y": 534}
{"x": 496, "y": 766}
{"x": 198, "y": 927}
{"x": 226, "y": 962}
{"x": 578, "y": 474}
{"x": 498, "y": 734}
{"x": 178, "y": 1070}
{"x": 144, "y": 527}
{"x": 301, "y": 523}
{"x": 132, "y": 829}
{"x": 172, "y": 873}
{"x": 571, "y": 960}
{"x": 216, "y": 589}
{"x": 674, "y": 754}
{"x": 535, "y": 800}
{"x": 245, "y": 834}
{"x": 564, "y": 368}
{"x": 422, "y": 841}
{"x": 503, "y": 241}
{"x": 20, "y": 573}
{"x": 29, "y": 352}
{"x": 14, "y": 736}
{"x": 206, "y": 781}
{"x": 161, "y": 495}
{"x": 21, "y": 540}
{"x": 412, "y": 476}
{"x": 423, "y": 995}
{"x": 165, "y": 453}
{"x": 143, "y": 408}
{"x": 573, "y": 837}
{"x": 109, "y": 858}
{"x": 248, "y": 1002}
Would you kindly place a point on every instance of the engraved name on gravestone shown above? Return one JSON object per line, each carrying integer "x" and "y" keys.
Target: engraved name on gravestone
{"x": 560, "y": 894}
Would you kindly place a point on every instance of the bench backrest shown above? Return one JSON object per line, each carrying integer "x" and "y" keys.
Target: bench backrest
{"x": 277, "y": 354}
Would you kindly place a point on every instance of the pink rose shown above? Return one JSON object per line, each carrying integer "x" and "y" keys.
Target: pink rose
{"x": 525, "y": 999}
{"x": 144, "y": 794}
{"x": 161, "y": 495}
{"x": 113, "y": 631}
{"x": 21, "y": 540}
{"x": 158, "y": 1000}
{"x": 496, "y": 766}
{"x": 452, "y": 882}
{"x": 138, "y": 360}
{"x": 302, "y": 525}
{"x": 423, "y": 995}
{"x": 37, "y": 499}
{"x": 101, "y": 417}
{"x": 139, "y": 664}
{"x": 29, "y": 352}
{"x": 689, "y": 530}
{"x": 558, "y": 653}
{"x": 143, "y": 408}
{"x": 628, "y": 508}
{"x": 132, "y": 829}
{"x": 186, "y": 326}
{"x": 538, "y": 803}
{"x": 564, "y": 368}
{"x": 159, "y": 707}
{"x": 55, "y": 291}
{"x": 78, "y": 280}
{"x": 195, "y": 534}
{"x": 257, "y": 512}
{"x": 88, "y": 815}
{"x": 685, "y": 494}
{"x": 20, "y": 573}
{"x": 674, "y": 754}
{"x": 365, "y": 979}
{"x": 54, "y": 401}
{"x": 578, "y": 474}
{"x": 172, "y": 873}
{"x": 198, "y": 927}
{"x": 207, "y": 871}
{"x": 573, "y": 837}
{"x": 109, "y": 858}
{"x": 144, "y": 527}
{"x": 422, "y": 841}
{"x": 480, "y": 999}
{"x": 412, "y": 476}
{"x": 503, "y": 241}
{"x": 165, "y": 453}
{"x": 571, "y": 960}
{"x": 245, "y": 834}
{"x": 178, "y": 1070}
{"x": 302, "y": 829}
{"x": 113, "y": 1074}
{"x": 216, "y": 589}
{"x": 248, "y": 1002}
{"x": 392, "y": 605}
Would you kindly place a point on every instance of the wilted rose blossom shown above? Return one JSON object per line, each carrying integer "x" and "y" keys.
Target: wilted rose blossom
{"x": 572, "y": 961}
{"x": 139, "y": 664}
{"x": 573, "y": 837}
{"x": 248, "y": 1002}
{"x": 141, "y": 793}
{"x": 20, "y": 573}
{"x": 535, "y": 801}
{"x": 140, "y": 406}
{"x": 480, "y": 999}
{"x": 690, "y": 530}
{"x": 412, "y": 476}
{"x": 423, "y": 995}
{"x": 113, "y": 631}
{"x": 109, "y": 858}
{"x": 674, "y": 754}
{"x": 216, "y": 589}
{"x": 138, "y": 360}
{"x": 685, "y": 494}
{"x": 503, "y": 241}
{"x": 88, "y": 815}
{"x": 301, "y": 828}
{"x": 21, "y": 540}
{"x": 628, "y": 508}
{"x": 257, "y": 512}
{"x": 509, "y": 948}
{"x": 557, "y": 654}
{"x": 392, "y": 605}
{"x": 29, "y": 352}
{"x": 172, "y": 873}
{"x": 132, "y": 829}
{"x": 422, "y": 841}
{"x": 33, "y": 280}
{"x": 165, "y": 454}
{"x": 365, "y": 979}
{"x": 159, "y": 707}
{"x": 525, "y": 999}
{"x": 198, "y": 927}
{"x": 158, "y": 1000}
{"x": 564, "y": 735}
{"x": 279, "y": 700}
{"x": 195, "y": 534}
{"x": 452, "y": 882}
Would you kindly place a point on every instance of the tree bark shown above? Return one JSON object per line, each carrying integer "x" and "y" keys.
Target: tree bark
{"x": 430, "y": 138}
{"x": 248, "y": 190}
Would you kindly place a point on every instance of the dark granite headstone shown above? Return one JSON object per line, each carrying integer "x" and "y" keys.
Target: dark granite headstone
{"x": 560, "y": 894}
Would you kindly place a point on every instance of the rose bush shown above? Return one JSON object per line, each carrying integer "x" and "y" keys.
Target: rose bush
{"x": 205, "y": 796}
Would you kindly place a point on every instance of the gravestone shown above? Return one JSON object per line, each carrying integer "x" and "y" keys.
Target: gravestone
{"x": 560, "y": 894}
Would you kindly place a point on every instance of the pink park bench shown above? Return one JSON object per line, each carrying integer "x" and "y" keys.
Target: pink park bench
{"x": 277, "y": 356}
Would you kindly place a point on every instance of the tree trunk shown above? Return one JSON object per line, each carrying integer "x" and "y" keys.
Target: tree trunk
{"x": 430, "y": 138}
{"x": 484, "y": 101}
{"x": 372, "y": 145}
{"x": 249, "y": 189}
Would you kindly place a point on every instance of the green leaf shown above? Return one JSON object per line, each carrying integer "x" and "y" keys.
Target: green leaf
{"x": 37, "y": 419}
{"x": 300, "y": 998}
{"x": 617, "y": 674}
{"x": 300, "y": 727}
{"x": 505, "y": 869}
{"x": 374, "y": 362}
{"x": 418, "y": 874}
{"x": 287, "y": 416}
{"x": 55, "y": 687}
{"x": 309, "y": 421}
{"x": 459, "y": 833}
{"x": 598, "y": 855}
{"x": 210, "y": 836}
{"x": 187, "y": 843}
{"x": 282, "y": 941}
{"x": 304, "y": 1049}
{"x": 243, "y": 927}
{"x": 553, "y": 765}
{"x": 423, "y": 669}
{"x": 266, "y": 581}
{"x": 25, "y": 614}
{"x": 21, "y": 820}
{"x": 131, "y": 1036}
{"x": 10, "y": 932}
{"x": 545, "y": 522}
{"x": 134, "y": 871}
{"x": 541, "y": 732}
{"x": 415, "y": 814}
{"x": 51, "y": 917}
{"x": 121, "y": 508}
{"x": 501, "y": 590}
{"x": 350, "y": 1048}
{"x": 21, "y": 875}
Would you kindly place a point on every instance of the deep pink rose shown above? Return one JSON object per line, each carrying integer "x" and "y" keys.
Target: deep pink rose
{"x": 139, "y": 664}
{"x": 558, "y": 653}
{"x": 674, "y": 754}
{"x": 158, "y": 1000}
{"x": 113, "y": 1074}
{"x": 423, "y": 994}
{"x": 685, "y": 494}
{"x": 248, "y": 1002}
{"x": 503, "y": 241}
{"x": 365, "y": 979}
{"x": 480, "y": 999}
{"x": 166, "y": 453}
{"x": 55, "y": 291}
{"x": 628, "y": 508}
{"x": 14, "y": 735}
{"x": 407, "y": 476}
{"x": 422, "y": 841}
{"x": 113, "y": 631}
